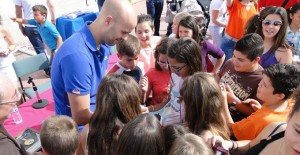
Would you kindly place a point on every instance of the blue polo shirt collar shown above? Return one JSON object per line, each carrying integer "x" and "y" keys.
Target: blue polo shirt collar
{"x": 88, "y": 37}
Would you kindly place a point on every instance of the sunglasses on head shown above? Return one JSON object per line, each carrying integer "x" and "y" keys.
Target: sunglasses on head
{"x": 268, "y": 22}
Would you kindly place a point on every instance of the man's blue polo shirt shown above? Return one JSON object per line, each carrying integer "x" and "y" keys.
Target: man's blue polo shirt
{"x": 78, "y": 68}
{"x": 48, "y": 32}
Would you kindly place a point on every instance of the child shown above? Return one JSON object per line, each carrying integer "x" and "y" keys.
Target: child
{"x": 118, "y": 102}
{"x": 59, "y": 135}
{"x": 188, "y": 27}
{"x": 48, "y": 31}
{"x": 7, "y": 46}
{"x": 278, "y": 83}
{"x": 176, "y": 20}
{"x": 204, "y": 106}
{"x": 128, "y": 52}
{"x": 157, "y": 80}
{"x": 271, "y": 24}
{"x": 141, "y": 136}
{"x": 242, "y": 74}
{"x": 293, "y": 31}
{"x": 144, "y": 32}
{"x": 184, "y": 60}
{"x": 190, "y": 144}
{"x": 171, "y": 133}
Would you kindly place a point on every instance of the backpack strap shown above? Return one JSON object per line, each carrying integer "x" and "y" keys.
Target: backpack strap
{"x": 284, "y": 3}
{"x": 275, "y": 129}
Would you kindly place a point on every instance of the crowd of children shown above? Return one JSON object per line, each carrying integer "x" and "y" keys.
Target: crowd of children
{"x": 229, "y": 94}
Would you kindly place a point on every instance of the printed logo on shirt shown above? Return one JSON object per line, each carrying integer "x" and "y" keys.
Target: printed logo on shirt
{"x": 75, "y": 91}
{"x": 106, "y": 58}
{"x": 237, "y": 88}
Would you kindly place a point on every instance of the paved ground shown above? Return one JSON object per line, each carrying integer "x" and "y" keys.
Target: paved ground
{"x": 7, "y": 10}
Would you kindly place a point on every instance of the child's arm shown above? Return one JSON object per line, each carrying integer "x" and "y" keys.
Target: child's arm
{"x": 52, "y": 11}
{"x": 19, "y": 14}
{"x": 19, "y": 20}
{"x": 58, "y": 42}
{"x": 144, "y": 85}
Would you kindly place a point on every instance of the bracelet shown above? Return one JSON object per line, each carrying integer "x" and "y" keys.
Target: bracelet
{"x": 152, "y": 107}
{"x": 234, "y": 147}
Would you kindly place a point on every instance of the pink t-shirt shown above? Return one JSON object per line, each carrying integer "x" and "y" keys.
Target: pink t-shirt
{"x": 159, "y": 81}
{"x": 146, "y": 56}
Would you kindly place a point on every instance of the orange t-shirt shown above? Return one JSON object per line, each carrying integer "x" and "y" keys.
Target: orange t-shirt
{"x": 249, "y": 128}
{"x": 238, "y": 17}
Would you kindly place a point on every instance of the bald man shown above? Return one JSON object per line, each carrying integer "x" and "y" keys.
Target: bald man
{"x": 8, "y": 99}
{"x": 81, "y": 61}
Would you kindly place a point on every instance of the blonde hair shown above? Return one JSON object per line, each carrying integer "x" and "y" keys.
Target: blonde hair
{"x": 179, "y": 16}
{"x": 190, "y": 144}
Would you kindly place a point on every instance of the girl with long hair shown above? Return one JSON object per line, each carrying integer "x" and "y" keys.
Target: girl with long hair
{"x": 184, "y": 59}
{"x": 271, "y": 24}
{"x": 157, "y": 80}
{"x": 188, "y": 27}
{"x": 117, "y": 102}
{"x": 204, "y": 107}
{"x": 293, "y": 32}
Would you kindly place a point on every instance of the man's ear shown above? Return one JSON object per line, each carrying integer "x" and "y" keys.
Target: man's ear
{"x": 108, "y": 20}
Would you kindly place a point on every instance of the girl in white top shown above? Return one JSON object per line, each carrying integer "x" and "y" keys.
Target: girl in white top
{"x": 218, "y": 20}
{"x": 144, "y": 31}
{"x": 7, "y": 45}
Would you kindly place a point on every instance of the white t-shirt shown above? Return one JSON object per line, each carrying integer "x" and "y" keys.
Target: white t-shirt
{"x": 221, "y": 6}
{"x": 27, "y": 7}
{"x": 173, "y": 112}
{"x": 6, "y": 62}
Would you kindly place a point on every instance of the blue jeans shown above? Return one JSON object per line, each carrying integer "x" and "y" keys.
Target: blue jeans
{"x": 227, "y": 46}
{"x": 154, "y": 9}
{"x": 35, "y": 39}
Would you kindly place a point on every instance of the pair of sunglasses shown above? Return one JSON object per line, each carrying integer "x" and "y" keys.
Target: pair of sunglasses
{"x": 177, "y": 69}
{"x": 162, "y": 63}
{"x": 276, "y": 23}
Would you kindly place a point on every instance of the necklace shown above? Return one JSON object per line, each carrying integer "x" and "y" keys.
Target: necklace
{"x": 248, "y": 7}
{"x": 247, "y": 4}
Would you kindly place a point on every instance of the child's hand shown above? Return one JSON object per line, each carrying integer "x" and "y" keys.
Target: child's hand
{"x": 14, "y": 19}
{"x": 4, "y": 53}
{"x": 144, "y": 109}
{"x": 144, "y": 83}
{"x": 255, "y": 105}
{"x": 230, "y": 94}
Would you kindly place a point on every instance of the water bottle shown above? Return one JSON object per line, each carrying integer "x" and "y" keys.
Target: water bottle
{"x": 16, "y": 115}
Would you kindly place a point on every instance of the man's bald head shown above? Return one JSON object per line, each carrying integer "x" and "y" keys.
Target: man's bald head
{"x": 117, "y": 8}
{"x": 7, "y": 88}
{"x": 115, "y": 21}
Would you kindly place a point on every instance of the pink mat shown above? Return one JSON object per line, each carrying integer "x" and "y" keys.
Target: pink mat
{"x": 32, "y": 118}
